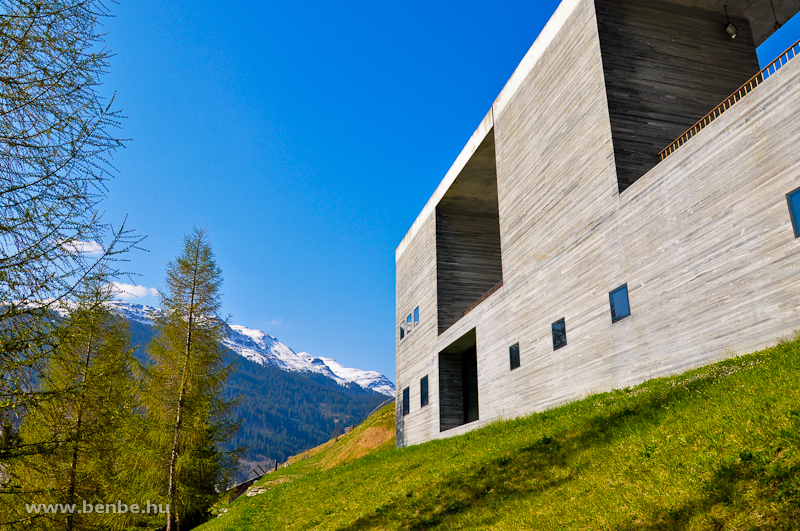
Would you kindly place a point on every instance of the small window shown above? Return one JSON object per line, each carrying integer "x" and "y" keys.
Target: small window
{"x": 513, "y": 354}
{"x": 793, "y": 198}
{"x": 408, "y": 323}
{"x": 406, "y": 401}
{"x": 402, "y": 331}
{"x": 416, "y": 316}
{"x": 620, "y": 306}
{"x": 559, "y": 334}
{"x": 423, "y": 391}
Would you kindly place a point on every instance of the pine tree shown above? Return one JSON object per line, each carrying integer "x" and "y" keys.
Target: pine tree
{"x": 189, "y": 418}
{"x": 80, "y": 425}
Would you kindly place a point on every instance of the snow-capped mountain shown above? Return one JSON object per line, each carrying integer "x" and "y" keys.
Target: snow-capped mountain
{"x": 264, "y": 349}
{"x": 136, "y": 312}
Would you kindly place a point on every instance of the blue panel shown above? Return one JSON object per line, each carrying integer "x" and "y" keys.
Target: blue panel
{"x": 416, "y": 315}
{"x": 559, "y": 334}
{"x": 793, "y": 198}
{"x": 620, "y": 306}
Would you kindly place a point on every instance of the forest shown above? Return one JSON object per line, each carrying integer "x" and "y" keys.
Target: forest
{"x": 281, "y": 412}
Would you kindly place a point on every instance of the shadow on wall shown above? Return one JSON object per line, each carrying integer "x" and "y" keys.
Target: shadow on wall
{"x": 458, "y": 383}
{"x": 400, "y": 426}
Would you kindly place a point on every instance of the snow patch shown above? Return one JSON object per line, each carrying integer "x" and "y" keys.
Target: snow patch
{"x": 264, "y": 349}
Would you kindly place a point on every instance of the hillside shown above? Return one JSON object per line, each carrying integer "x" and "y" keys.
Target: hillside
{"x": 714, "y": 448}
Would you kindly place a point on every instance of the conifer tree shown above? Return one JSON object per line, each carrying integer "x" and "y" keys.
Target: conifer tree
{"x": 55, "y": 141}
{"x": 82, "y": 422}
{"x": 189, "y": 419}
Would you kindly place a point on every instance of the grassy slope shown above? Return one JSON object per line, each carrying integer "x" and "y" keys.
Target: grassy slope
{"x": 714, "y": 448}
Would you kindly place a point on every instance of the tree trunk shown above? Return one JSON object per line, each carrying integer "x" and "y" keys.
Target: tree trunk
{"x": 73, "y": 470}
{"x": 172, "y": 490}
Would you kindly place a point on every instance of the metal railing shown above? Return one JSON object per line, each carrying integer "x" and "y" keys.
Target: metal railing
{"x": 483, "y": 298}
{"x": 743, "y": 91}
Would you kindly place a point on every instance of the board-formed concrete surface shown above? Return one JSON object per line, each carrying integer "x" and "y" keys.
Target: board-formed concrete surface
{"x": 703, "y": 240}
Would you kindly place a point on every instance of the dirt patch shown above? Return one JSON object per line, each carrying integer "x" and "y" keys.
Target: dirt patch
{"x": 358, "y": 445}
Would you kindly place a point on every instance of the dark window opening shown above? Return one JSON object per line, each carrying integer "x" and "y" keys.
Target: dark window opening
{"x": 559, "y": 334}
{"x": 620, "y": 306}
{"x": 406, "y": 402}
{"x": 793, "y": 198}
{"x": 458, "y": 383}
{"x": 423, "y": 392}
{"x": 402, "y": 331}
{"x": 468, "y": 258}
{"x": 666, "y": 66}
{"x": 513, "y": 354}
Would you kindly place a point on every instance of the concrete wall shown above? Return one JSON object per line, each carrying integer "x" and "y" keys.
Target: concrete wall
{"x": 703, "y": 240}
{"x": 416, "y": 286}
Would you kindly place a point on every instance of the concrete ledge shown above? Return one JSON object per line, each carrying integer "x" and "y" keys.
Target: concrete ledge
{"x": 522, "y": 71}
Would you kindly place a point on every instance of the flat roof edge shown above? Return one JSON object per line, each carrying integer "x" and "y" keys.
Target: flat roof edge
{"x": 511, "y": 87}
{"x": 475, "y": 140}
{"x": 542, "y": 42}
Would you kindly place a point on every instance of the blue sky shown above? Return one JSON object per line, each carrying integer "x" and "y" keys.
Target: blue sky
{"x": 307, "y": 137}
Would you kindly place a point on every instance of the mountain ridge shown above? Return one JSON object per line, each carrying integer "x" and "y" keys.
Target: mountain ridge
{"x": 267, "y": 350}
{"x": 283, "y": 412}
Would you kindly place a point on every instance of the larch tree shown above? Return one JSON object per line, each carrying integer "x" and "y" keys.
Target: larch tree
{"x": 55, "y": 146}
{"x": 81, "y": 423}
{"x": 189, "y": 419}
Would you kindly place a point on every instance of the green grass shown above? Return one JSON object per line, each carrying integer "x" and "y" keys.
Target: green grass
{"x": 713, "y": 448}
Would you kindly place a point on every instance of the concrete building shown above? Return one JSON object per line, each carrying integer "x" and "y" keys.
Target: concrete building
{"x": 573, "y": 248}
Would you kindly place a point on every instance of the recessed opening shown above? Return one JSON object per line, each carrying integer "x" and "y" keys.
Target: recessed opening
{"x": 620, "y": 306}
{"x": 793, "y": 198}
{"x": 513, "y": 355}
{"x": 559, "y": 334}
{"x": 468, "y": 260}
{"x": 458, "y": 383}
{"x": 666, "y": 65}
{"x": 423, "y": 391}
{"x": 406, "y": 401}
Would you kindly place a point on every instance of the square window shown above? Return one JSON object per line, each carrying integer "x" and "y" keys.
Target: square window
{"x": 406, "y": 402}
{"x": 423, "y": 391}
{"x": 620, "y": 306}
{"x": 416, "y": 316}
{"x": 793, "y": 198}
{"x": 559, "y": 334}
{"x": 513, "y": 354}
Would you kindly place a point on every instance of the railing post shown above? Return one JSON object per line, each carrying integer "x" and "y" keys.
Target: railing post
{"x": 743, "y": 91}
